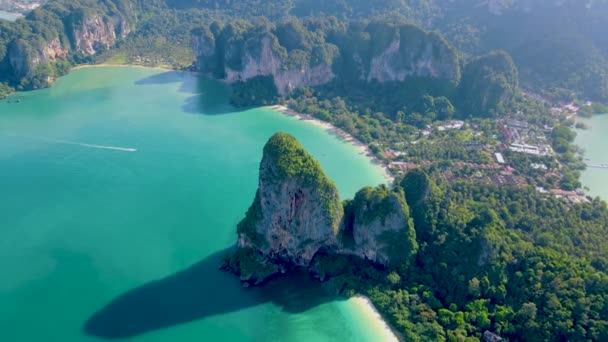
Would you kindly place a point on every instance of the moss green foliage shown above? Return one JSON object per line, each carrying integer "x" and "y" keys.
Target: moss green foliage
{"x": 372, "y": 204}
{"x": 289, "y": 161}
{"x": 26, "y": 39}
{"x": 588, "y": 110}
{"x": 507, "y": 260}
{"x": 251, "y": 265}
{"x": 247, "y": 225}
{"x": 5, "y": 90}
{"x": 378, "y": 204}
{"x": 423, "y": 197}
{"x": 489, "y": 84}
{"x": 562, "y": 137}
{"x": 292, "y": 44}
{"x": 257, "y": 91}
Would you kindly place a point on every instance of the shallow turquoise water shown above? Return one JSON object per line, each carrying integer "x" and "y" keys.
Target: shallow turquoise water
{"x": 9, "y": 16}
{"x": 120, "y": 191}
{"x": 594, "y": 140}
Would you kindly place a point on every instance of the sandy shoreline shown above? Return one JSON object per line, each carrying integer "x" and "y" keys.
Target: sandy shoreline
{"x": 361, "y": 147}
{"x": 367, "y": 308}
{"x": 104, "y": 65}
{"x": 364, "y": 305}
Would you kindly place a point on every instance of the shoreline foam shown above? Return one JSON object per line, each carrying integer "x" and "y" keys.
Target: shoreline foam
{"x": 340, "y": 133}
{"x": 374, "y": 318}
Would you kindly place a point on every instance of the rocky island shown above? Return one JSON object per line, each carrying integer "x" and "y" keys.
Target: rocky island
{"x": 297, "y": 215}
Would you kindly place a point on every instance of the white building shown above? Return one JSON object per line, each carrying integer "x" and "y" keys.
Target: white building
{"x": 499, "y": 158}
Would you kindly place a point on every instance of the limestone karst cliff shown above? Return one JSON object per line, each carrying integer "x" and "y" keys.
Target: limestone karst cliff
{"x": 295, "y": 55}
{"x": 297, "y": 213}
{"x": 380, "y": 217}
{"x": 296, "y": 210}
{"x": 34, "y": 55}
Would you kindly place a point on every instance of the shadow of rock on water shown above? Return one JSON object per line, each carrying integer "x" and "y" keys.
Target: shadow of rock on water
{"x": 209, "y": 96}
{"x": 195, "y": 293}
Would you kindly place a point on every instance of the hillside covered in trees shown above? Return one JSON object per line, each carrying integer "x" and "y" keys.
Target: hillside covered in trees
{"x": 558, "y": 46}
{"x": 442, "y": 261}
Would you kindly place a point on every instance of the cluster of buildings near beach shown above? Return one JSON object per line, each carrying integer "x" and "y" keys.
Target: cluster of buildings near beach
{"x": 515, "y": 136}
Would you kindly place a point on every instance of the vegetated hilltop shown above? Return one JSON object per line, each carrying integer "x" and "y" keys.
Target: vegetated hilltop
{"x": 37, "y": 49}
{"x": 295, "y": 53}
{"x": 297, "y": 214}
{"x": 559, "y": 47}
{"x": 441, "y": 261}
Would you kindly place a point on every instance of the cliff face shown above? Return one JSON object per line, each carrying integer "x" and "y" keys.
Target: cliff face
{"x": 96, "y": 33}
{"x": 24, "y": 57}
{"x": 88, "y": 34}
{"x": 415, "y": 54}
{"x": 297, "y": 213}
{"x": 296, "y": 60}
{"x": 380, "y": 217}
{"x": 263, "y": 56}
{"x": 296, "y": 210}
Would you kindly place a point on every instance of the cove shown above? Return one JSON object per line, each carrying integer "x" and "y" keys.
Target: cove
{"x": 121, "y": 191}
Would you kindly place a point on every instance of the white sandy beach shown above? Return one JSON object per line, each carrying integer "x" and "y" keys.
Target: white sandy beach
{"x": 374, "y": 318}
{"x": 361, "y": 147}
{"x": 104, "y": 65}
{"x": 363, "y": 304}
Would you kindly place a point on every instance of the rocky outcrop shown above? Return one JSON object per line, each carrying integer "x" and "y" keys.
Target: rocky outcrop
{"x": 296, "y": 210}
{"x": 379, "y": 218}
{"x": 412, "y": 56}
{"x": 240, "y": 53}
{"x": 259, "y": 56}
{"x": 297, "y": 214}
{"x": 96, "y": 33}
{"x": 23, "y": 57}
{"x": 77, "y": 31}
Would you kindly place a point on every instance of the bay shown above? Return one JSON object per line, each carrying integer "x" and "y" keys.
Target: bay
{"x": 121, "y": 191}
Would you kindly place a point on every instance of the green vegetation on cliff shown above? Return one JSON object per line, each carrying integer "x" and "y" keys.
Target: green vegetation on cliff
{"x": 50, "y": 39}
{"x": 382, "y": 214}
{"x": 489, "y": 84}
{"x": 290, "y": 161}
{"x": 475, "y": 257}
{"x": 505, "y": 260}
{"x": 285, "y": 160}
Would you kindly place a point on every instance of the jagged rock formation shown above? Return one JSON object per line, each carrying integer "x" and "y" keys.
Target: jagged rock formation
{"x": 95, "y": 33}
{"x": 297, "y": 213}
{"x": 296, "y": 210}
{"x": 410, "y": 52}
{"x": 23, "y": 57}
{"x": 423, "y": 197}
{"x": 251, "y": 54}
{"x": 379, "y": 218}
{"x": 488, "y": 82}
{"x": 31, "y": 57}
{"x": 289, "y": 53}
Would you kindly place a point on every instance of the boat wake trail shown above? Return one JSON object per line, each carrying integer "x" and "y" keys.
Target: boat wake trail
{"x": 103, "y": 147}
{"x": 124, "y": 149}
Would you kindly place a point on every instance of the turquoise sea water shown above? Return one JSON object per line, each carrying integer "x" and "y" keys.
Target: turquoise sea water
{"x": 594, "y": 140}
{"x": 120, "y": 191}
{"x": 9, "y": 16}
